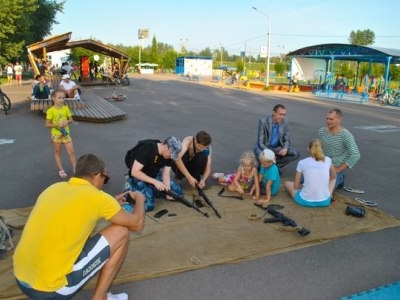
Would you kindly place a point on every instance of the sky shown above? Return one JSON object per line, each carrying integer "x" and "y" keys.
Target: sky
{"x": 233, "y": 25}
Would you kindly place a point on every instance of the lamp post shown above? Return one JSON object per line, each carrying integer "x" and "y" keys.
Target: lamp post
{"x": 268, "y": 44}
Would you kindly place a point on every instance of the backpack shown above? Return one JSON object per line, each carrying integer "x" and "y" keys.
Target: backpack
{"x": 5, "y": 234}
{"x": 131, "y": 154}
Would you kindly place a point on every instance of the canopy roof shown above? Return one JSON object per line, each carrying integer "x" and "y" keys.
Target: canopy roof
{"x": 61, "y": 42}
{"x": 350, "y": 53}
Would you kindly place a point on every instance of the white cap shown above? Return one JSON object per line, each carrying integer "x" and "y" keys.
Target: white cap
{"x": 267, "y": 154}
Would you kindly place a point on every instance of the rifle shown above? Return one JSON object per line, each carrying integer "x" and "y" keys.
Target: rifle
{"x": 280, "y": 217}
{"x": 208, "y": 201}
{"x": 184, "y": 201}
{"x": 228, "y": 196}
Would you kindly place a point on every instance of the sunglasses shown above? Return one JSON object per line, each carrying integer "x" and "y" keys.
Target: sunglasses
{"x": 106, "y": 178}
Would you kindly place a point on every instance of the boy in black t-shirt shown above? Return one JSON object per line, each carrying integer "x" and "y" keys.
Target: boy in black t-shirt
{"x": 150, "y": 167}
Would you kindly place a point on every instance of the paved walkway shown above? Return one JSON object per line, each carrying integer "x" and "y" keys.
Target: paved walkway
{"x": 18, "y": 94}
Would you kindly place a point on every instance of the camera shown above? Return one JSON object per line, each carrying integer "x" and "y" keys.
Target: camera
{"x": 129, "y": 199}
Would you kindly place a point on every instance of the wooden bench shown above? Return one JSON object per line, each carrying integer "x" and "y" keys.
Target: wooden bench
{"x": 44, "y": 104}
{"x": 97, "y": 110}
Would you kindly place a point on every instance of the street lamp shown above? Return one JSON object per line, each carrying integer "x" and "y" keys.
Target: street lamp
{"x": 268, "y": 44}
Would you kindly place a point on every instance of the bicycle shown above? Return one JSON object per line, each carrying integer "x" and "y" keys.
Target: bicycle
{"x": 5, "y": 103}
{"x": 388, "y": 97}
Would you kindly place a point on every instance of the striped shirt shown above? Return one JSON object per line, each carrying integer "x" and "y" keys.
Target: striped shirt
{"x": 340, "y": 147}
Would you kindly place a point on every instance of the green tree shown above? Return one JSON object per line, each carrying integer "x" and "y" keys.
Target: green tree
{"x": 154, "y": 51}
{"x": 280, "y": 67}
{"x": 362, "y": 37}
{"x": 20, "y": 25}
{"x": 168, "y": 59}
{"x": 206, "y": 52}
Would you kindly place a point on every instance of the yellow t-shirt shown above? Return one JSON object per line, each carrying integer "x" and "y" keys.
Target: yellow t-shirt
{"x": 61, "y": 221}
{"x": 56, "y": 116}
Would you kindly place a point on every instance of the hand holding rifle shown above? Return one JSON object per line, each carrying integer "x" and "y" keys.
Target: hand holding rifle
{"x": 207, "y": 200}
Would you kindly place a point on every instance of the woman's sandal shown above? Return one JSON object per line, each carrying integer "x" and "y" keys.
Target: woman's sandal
{"x": 62, "y": 174}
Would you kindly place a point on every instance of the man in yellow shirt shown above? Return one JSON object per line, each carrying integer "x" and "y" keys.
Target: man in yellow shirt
{"x": 57, "y": 255}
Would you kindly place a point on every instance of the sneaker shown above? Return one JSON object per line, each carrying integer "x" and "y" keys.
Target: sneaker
{"x": 121, "y": 296}
{"x": 77, "y": 97}
{"x": 217, "y": 175}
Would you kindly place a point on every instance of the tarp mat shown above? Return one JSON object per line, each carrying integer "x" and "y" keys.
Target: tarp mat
{"x": 189, "y": 240}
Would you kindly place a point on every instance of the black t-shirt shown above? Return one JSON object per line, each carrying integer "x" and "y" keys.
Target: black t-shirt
{"x": 151, "y": 160}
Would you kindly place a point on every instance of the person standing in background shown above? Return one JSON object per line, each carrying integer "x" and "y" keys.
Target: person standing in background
{"x": 18, "y": 73}
{"x": 10, "y": 74}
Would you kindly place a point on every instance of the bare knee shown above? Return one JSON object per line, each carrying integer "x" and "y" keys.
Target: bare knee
{"x": 116, "y": 236}
{"x": 289, "y": 186}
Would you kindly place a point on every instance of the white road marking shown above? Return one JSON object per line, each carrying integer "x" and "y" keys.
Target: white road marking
{"x": 380, "y": 128}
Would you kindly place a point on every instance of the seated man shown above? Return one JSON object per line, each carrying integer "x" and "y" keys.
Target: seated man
{"x": 338, "y": 144}
{"x": 273, "y": 134}
{"x": 57, "y": 253}
{"x": 149, "y": 164}
{"x": 41, "y": 90}
{"x": 194, "y": 161}
{"x": 70, "y": 88}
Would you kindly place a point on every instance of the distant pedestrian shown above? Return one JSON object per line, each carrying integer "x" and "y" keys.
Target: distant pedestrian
{"x": 58, "y": 118}
{"x": 18, "y": 73}
{"x": 10, "y": 74}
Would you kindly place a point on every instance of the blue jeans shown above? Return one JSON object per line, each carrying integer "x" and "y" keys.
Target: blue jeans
{"x": 149, "y": 191}
{"x": 339, "y": 179}
{"x": 281, "y": 161}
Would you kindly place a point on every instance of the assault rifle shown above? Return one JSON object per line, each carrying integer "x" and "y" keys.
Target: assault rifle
{"x": 185, "y": 202}
{"x": 228, "y": 196}
{"x": 280, "y": 217}
{"x": 208, "y": 201}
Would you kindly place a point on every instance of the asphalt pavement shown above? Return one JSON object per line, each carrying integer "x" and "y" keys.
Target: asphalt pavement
{"x": 158, "y": 107}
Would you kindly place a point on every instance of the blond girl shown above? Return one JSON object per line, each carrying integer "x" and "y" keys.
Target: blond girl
{"x": 245, "y": 180}
{"x": 58, "y": 118}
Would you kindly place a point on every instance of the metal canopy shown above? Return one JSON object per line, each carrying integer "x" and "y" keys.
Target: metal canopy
{"x": 350, "y": 53}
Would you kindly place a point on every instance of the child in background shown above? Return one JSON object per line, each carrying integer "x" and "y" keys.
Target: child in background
{"x": 269, "y": 176}
{"x": 58, "y": 117}
{"x": 245, "y": 180}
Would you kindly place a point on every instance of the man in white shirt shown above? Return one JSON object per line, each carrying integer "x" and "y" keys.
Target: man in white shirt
{"x": 69, "y": 87}
{"x": 67, "y": 68}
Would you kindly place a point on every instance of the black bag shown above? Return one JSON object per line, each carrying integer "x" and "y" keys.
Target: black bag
{"x": 131, "y": 154}
{"x": 356, "y": 211}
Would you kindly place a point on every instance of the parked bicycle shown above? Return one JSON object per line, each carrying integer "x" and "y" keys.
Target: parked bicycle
{"x": 389, "y": 96}
{"x": 5, "y": 103}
